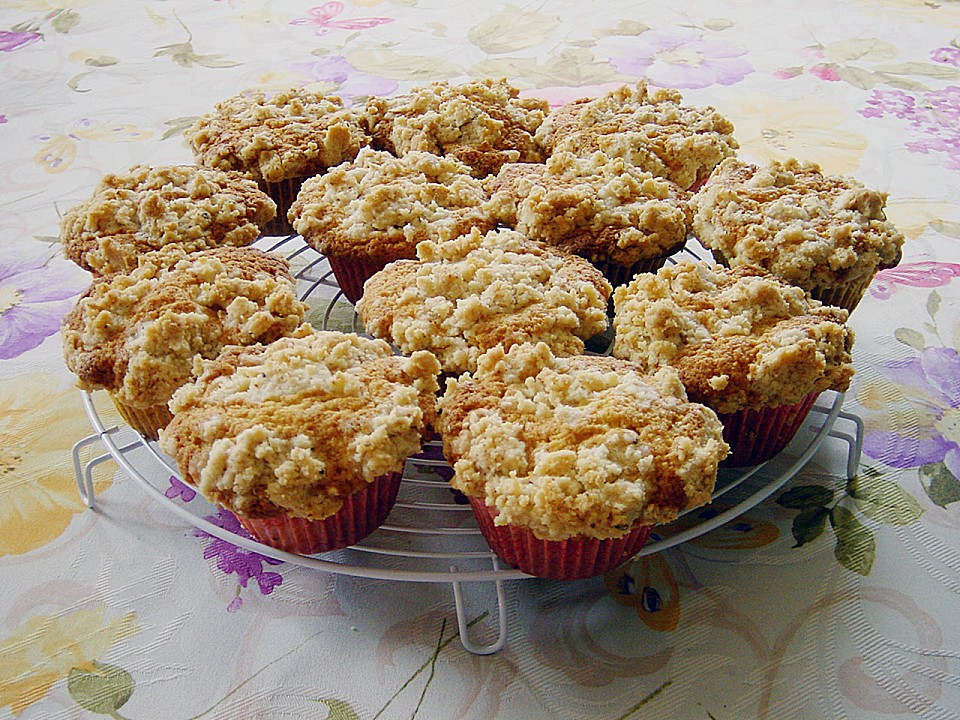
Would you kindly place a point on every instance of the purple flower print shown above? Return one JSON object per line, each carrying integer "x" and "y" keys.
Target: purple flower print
{"x": 232, "y": 559}
{"x": 934, "y": 116}
{"x": 686, "y": 60}
{"x": 179, "y": 489}
{"x": 946, "y": 55}
{"x": 350, "y": 82}
{"x": 11, "y": 40}
{"x": 34, "y": 297}
{"x": 931, "y": 382}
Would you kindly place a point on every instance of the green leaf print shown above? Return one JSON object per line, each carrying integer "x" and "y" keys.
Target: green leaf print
{"x": 883, "y": 500}
{"x": 65, "y": 21}
{"x": 339, "y": 709}
{"x": 941, "y": 486}
{"x": 856, "y": 548}
{"x": 809, "y": 523}
{"x": 806, "y": 496}
{"x": 103, "y": 690}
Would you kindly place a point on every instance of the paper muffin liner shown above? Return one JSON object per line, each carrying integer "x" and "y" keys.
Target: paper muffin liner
{"x": 146, "y": 421}
{"x": 283, "y": 193}
{"x": 352, "y": 274}
{"x": 361, "y": 514}
{"x": 845, "y": 296}
{"x": 755, "y": 436}
{"x": 618, "y": 274}
{"x": 572, "y": 559}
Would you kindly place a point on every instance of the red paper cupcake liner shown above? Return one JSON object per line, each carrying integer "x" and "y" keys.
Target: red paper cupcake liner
{"x": 845, "y": 296}
{"x": 573, "y": 559}
{"x": 361, "y": 514}
{"x": 755, "y": 436}
{"x": 283, "y": 193}
{"x": 352, "y": 274}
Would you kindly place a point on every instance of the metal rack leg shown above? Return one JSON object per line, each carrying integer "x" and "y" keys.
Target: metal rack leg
{"x": 85, "y": 479}
{"x": 854, "y": 442}
{"x": 463, "y": 625}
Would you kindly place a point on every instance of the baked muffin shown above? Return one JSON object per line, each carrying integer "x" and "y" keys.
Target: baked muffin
{"x": 568, "y": 462}
{"x": 753, "y": 348}
{"x": 483, "y": 123}
{"x": 465, "y": 295}
{"x": 136, "y": 334}
{"x": 148, "y": 208}
{"x": 621, "y": 218}
{"x": 304, "y": 439}
{"x": 824, "y": 233}
{"x": 366, "y": 213}
{"x": 278, "y": 140}
{"x": 649, "y": 128}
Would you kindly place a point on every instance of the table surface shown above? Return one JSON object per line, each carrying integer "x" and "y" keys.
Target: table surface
{"x": 834, "y": 597}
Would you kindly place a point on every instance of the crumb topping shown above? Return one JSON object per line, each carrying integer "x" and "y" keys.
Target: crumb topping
{"x": 578, "y": 446}
{"x": 739, "y": 338}
{"x": 295, "y": 133}
{"x": 136, "y": 334}
{"x": 598, "y": 207}
{"x": 298, "y": 425}
{"x": 467, "y": 294}
{"x": 649, "y": 128}
{"x": 379, "y": 207}
{"x": 148, "y": 208}
{"x": 811, "y": 229}
{"x": 483, "y": 123}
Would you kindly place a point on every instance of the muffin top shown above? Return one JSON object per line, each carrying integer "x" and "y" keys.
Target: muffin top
{"x": 792, "y": 220}
{"x": 148, "y": 208}
{"x": 296, "y": 426}
{"x": 468, "y": 294}
{"x": 739, "y": 338}
{"x": 379, "y": 207}
{"x": 578, "y": 446}
{"x": 650, "y": 128}
{"x": 136, "y": 334}
{"x": 295, "y": 133}
{"x": 598, "y": 207}
{"x": 482, "y": 123}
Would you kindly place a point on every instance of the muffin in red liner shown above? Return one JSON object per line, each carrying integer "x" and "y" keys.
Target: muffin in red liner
{"x": 755, "y": 436}
{"x": 569, "y": 461}
{"x": 571, "y": 559}
{"x": 351, "y": 274}
{"x": 361, "y": 514}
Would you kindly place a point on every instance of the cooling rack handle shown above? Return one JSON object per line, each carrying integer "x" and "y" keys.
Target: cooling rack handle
{"x": 463, "y": 625}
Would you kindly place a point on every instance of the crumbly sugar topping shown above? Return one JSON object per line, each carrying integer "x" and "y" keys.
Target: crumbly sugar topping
{"x": 136, "y": 334}
{"x": 468, "y": 294}
{"x": 739, "y": 338}
{"x": 379, "y": 207}
{"x": 578, "y": 446}
{"x": 298, "y": 425}
{"x": 649, "y": 128}
{"x": 811, "y": 229}
{"x": 148, "y": 208}
{"x": 601, "y": 208}
{"x": 295, "y": 133}
{"x": 483, "y": 123}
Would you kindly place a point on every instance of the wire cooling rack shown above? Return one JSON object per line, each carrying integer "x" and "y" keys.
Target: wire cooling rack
{"x": 430, "y": 535}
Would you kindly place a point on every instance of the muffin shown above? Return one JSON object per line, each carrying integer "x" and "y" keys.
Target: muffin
{"x": 465, "y": 295}
{"x": 278, "y": 141}
{"x": 136, "y": 334}
{"x": 755, "y": 349}
{"x": 823, "y": 233}
{"x": 569, "y": 462}
{"x": 304, "y": 439}
{"x": 483, "y": 123}
{"x": 649, "y": 128}
{"x": 621, "y": 218}
{"x": 374, "y": 210}
{"x": 148, "y": 208}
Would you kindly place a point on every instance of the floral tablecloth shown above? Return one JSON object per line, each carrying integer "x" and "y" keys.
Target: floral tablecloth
{"x": 835, "y": 597}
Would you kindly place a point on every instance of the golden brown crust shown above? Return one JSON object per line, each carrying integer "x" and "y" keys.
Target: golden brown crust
{"x": 739, "y": 338}
{"x": 298, "y": 425}
{"x": 136, "y": 334}
{"x": 295, "y": 133}
{"x": 465, "y": 295}
{"x": 584, "y": 446}
{"x": 811, "y": 229}
{"x": 378, "y": 207}
{"x": 601, "y": 208}
{"x": 148, "y": 208}
{"x": 649, "y": 128}
{"x": 484, "y": 123}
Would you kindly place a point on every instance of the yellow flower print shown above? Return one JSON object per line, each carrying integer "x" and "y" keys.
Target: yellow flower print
{"x": 38, "y": 494}
{"x": 48, "y": 648}
{"x": 805, "y": 129}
